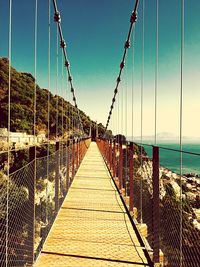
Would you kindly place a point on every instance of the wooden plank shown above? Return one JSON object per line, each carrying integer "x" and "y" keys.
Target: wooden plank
{"x": 92, "y": 227}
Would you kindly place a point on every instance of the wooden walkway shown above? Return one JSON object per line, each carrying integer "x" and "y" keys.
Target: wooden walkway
{"x": 92, "y": 227}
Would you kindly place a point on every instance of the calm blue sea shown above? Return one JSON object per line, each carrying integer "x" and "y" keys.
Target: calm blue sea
{"x": 171, "y": 159}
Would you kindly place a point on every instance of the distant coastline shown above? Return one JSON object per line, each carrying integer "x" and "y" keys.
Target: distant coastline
{"x": 165, "y": 138}
{"x": 171, "y": 160}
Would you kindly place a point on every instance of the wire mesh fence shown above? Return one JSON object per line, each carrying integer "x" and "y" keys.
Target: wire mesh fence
{"x": 164, "y": 205}
{"x": 30, "y": 199}
{"x": 179, "y": 234}
{"x": 44, "y": 198}
{"x": 16, "y": 211}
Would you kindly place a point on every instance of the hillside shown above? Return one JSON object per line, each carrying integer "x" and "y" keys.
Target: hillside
{"x": 22, "y": 106}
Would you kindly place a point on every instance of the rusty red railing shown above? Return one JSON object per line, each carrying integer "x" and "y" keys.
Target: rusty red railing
{"x": 162, "y": 204}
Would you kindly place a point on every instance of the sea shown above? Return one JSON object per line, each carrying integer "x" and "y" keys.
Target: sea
{"x": 171, "y": 159}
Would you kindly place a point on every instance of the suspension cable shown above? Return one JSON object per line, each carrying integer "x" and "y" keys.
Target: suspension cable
{"x": 122, "y": 112}
{"x": 132, "y": 89}
{"x": 35, "y": 68}
{"x": 57, "y": 84}
{"x": 8, "y": 140}
{"x": 133, "y": 19}
{"x": 126, "y": 100}
{"x": 49, "y": 86}
{"x": 49, "y": 75}
{"x": 117, "y": 114}
{"x": 126, "y": 121}
{"x": 57, "y": 19}
{"x": 141, "y": 123}
{"x": 181, "y": 124}
{"x": 156, "y": 72}
{"x": 142, "y": 77}
{"x": 62, "y": 90}
{"x": 35, "y": 110}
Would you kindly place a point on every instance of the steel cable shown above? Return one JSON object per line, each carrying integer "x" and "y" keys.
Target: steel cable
{"x": 181, "y": 127}
{"x": 9, "y": 115}
{"x": 156, "y": 72}
{"x": 141, "y": 110}
{"x": 57, "y": 19}
{"x": 122, "y": 64}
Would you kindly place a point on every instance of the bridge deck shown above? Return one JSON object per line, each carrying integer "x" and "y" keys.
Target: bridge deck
{"x": 92, "y": 227}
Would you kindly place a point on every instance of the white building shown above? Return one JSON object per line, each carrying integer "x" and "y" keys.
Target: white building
{"x": 18, "y": 139}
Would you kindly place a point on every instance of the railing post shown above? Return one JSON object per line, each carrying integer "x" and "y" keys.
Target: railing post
{"x": 57, "y": 176}
{"x": 73, "y": 159}
{"x": 76, "y": 155}
{"x": 108, "y": 161}
{"x": 107, "y": 145}
{"x": 67, "y": 167}
{"x": 106, "y": 150}
{"x": 131, "y": 176}
{"x": 103, "y": 148}
{"x": 82, "y": 149}
{"x": 114, "y": 159}
{"x": 156, "y": 208}
{"x": 110, "y": 155}
{"x": 31, "y": 221}
{"x": 120, "y": 165}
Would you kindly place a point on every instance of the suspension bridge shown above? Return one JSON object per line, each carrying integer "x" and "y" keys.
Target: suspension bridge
{"x": 75, "y": 193}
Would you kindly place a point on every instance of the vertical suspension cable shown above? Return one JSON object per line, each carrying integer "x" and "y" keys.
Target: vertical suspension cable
{"x": 118, "y": 108}
{"x": 142, "y": 76}
{"x": 126, "y": 95}
{"x": 49, "y": 85}
{"x": 122, "y": 109}
{"x": 111, "y": 124}
{"x": 73, "y": 132}
{"x": 71, "y": 121}
{"x": 156, "y": 73}
{"x": 113, "y": 121}
{"x": 70, "y": 111}
{"x": 67, "y": 115}
{"x": 71, "y": 135}
{"x": 35, "y": 112}
{"x": 141, "y": 126}
{"x": 35, "y": 68}
{"x": 66, "y": 131}
{"x": 73, "y": 129}
{"x": 57, "y": 83}
{"x": 132, "y": 87}
{"x": 8, "y": 140}
{"x": 181, "y": 124}
{"x": 62, "y": 94}
{"x": 116, "y": 117}
{"x": 126, "y": 102}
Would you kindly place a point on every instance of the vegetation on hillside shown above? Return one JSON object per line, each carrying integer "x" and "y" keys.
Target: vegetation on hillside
{"x": 61, "y": 114}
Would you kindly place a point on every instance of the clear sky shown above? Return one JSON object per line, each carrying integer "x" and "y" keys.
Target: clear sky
{"x": 95, "y": 32}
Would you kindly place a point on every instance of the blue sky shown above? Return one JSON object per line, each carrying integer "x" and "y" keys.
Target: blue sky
{"x": 95, "y": 32}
